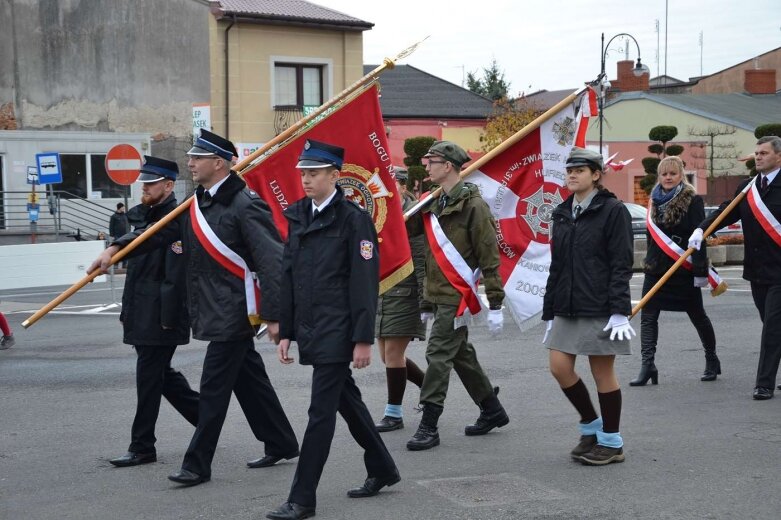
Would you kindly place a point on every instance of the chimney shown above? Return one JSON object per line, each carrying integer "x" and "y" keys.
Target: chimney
{"x": 759, "y": 81}
{"x": 627, "y": 81}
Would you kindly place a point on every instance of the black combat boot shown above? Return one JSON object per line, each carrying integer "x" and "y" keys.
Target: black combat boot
{"x": 712, "y": 366}
{"x": 427, "y": 435}
{"x": 492, "y": 415}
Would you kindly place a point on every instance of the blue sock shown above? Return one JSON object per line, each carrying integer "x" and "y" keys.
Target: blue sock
{"x": 591, "y": 428}
{"x": 611, "y": 440}
{"x": 393, "y": 410}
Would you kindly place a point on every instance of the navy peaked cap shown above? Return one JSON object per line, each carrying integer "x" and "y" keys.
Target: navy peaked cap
{"x": 320, "y": 155}
{"x": 156, "y": 169}
{"x": 209, "y": 143}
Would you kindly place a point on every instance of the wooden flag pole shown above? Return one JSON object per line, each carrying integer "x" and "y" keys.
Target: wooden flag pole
{"x": 388, "y": 63}
{"x": 689, "y": 251}
{"x": 501, "y": 147}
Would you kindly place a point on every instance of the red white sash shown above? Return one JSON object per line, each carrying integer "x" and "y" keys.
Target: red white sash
{"x": 674, "y": 251}
{"x": 454, "y": 267}
{"x": 763, "y": 215}
{"x": 228, "y": 259}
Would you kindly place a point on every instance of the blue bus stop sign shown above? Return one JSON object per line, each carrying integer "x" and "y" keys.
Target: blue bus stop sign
{"x": 49, "y": 170}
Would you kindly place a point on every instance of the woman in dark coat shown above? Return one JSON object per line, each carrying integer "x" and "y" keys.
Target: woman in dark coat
{"x": 587, "y": 301}
{"x": 676, "y": 210}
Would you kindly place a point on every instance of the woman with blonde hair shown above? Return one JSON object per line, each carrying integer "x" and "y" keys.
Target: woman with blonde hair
{"x": 675, "y": 211}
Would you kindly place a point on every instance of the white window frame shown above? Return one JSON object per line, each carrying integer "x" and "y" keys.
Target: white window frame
{"x": 328, "y": 73}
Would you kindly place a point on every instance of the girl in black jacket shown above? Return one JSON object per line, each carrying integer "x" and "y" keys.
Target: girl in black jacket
{"x": 676, "y": 210}
{"x": 588, "y": 286}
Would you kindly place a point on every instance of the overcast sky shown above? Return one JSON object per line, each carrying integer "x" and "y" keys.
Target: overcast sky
{"x": 555, "y": 44}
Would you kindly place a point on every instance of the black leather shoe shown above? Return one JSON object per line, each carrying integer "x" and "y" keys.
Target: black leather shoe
{"x": 187, "y": 478}
{"x": 763, "y": 394}
{"x": 132, "y": 458}
{"x": 388, "y": 424}
{"x": 372, "y": 486}
{"x": 291, "y": 511}
{"x": 270, "y": 460}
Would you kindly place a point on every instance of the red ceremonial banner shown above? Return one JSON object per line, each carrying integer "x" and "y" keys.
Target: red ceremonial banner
{"x": 366, "y": 177}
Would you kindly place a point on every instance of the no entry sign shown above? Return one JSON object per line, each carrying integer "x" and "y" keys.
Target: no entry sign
{"x": 123, "y": 164}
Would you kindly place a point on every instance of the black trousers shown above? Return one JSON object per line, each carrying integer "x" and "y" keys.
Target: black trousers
{"x": 767, "y": 299}
{"x": 333, "y": 389}
{"x": 155, "y": 379}
{"x": 235, "y": 366}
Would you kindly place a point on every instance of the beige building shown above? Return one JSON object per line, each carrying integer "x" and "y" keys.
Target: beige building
{"x": 270, "y": 61}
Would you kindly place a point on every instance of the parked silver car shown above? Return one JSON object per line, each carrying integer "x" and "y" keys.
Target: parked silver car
{"x": 638, "y": 214}
{"x": 732, "y": 229}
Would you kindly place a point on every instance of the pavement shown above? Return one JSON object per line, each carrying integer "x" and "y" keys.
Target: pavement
{"x": 694, "y": 450}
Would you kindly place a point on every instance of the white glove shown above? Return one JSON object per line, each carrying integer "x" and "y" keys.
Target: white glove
{"x": 695, "y": 241}
{"x": 425, "y": 316}
{"x": 621, "y": 329}
{"x": 700, "y": 281}
{"x": 495, "y": 320}
{"x": 548, "y": 327}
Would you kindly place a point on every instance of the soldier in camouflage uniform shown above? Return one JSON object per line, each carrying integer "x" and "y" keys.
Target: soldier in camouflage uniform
{"x": 467, "y": 222}
{"x": 398, "y": 321}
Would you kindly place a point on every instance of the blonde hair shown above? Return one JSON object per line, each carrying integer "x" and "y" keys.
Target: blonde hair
{"x": 667, "y": 164}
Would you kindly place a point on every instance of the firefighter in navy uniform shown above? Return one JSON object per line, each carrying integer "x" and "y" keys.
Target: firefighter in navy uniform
{"x": 328, "y": 295}
{"x": 154, "y": 318}
{"x": 233, "y": 220}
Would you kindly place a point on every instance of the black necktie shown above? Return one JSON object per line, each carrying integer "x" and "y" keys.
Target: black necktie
{"x": 578, "y": 209}
{"x": 315, "y": 214}
{"x": 764, "y": 183}
{"x": 207, "y": 197}
{"x": 443, "y": 201}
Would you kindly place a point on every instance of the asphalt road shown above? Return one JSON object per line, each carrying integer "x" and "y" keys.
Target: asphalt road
{"x": 694, "y": 450}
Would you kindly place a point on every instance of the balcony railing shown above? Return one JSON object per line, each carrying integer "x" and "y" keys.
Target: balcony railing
{"x": 285, "y": 116}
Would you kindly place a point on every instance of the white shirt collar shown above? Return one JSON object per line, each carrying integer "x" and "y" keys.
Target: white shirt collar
{"x": 325, "y": 203}
{"x": 213, "y": 190}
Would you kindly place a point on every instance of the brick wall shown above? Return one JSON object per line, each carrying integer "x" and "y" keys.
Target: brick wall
{"x": 760, "y": 81}
{"x": 7, "y": 117}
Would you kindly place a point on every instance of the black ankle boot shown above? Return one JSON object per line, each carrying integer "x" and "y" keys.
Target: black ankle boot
{"x": 647, "y": 371}
{"x": 492, "y": 415}
{"x": 712, "y": 367}
{"x": 427, "y": 435}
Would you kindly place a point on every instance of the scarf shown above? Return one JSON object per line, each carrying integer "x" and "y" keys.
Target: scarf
{"x": 662, "y": 199}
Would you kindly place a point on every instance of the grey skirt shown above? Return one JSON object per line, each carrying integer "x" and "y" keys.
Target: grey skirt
{"x": 585, "y": 337}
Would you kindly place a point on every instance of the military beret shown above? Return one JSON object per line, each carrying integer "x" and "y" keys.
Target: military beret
{"x": 400, "y": 174}
{"x": 583, "y": 157}
{"x": 449, "y": 151}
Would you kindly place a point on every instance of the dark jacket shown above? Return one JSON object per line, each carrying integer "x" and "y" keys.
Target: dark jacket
{"x": 118, "y": 225}
{"x": 468, "y": 224}
{"x": 763, "y": 255}
{"x": 591, "y": 260}
{"x": 330, "y": 280}
{"x": 412, "y": 286}
{"x": 217, "y": 304}
{"x": 155, "y": 293}
{"x": 682, "y": 216}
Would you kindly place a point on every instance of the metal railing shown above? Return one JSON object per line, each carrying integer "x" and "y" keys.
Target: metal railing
{"x": 59, "y": 212}
{"x": 285, "y": 116}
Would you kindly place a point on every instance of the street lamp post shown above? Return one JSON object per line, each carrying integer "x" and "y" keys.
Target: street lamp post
{"x": 639, "y": 70}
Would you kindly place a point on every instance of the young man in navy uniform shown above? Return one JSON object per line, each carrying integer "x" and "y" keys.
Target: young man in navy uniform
{"x": 328, "y": 295}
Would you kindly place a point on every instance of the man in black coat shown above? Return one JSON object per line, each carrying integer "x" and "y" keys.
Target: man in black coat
{"x": 329, "y": 290}
{"x": 762, "y": 244}
{"x": 154, "y": 319}
{"x": 229, "y": 240}
{"x": 118, "y": 223}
